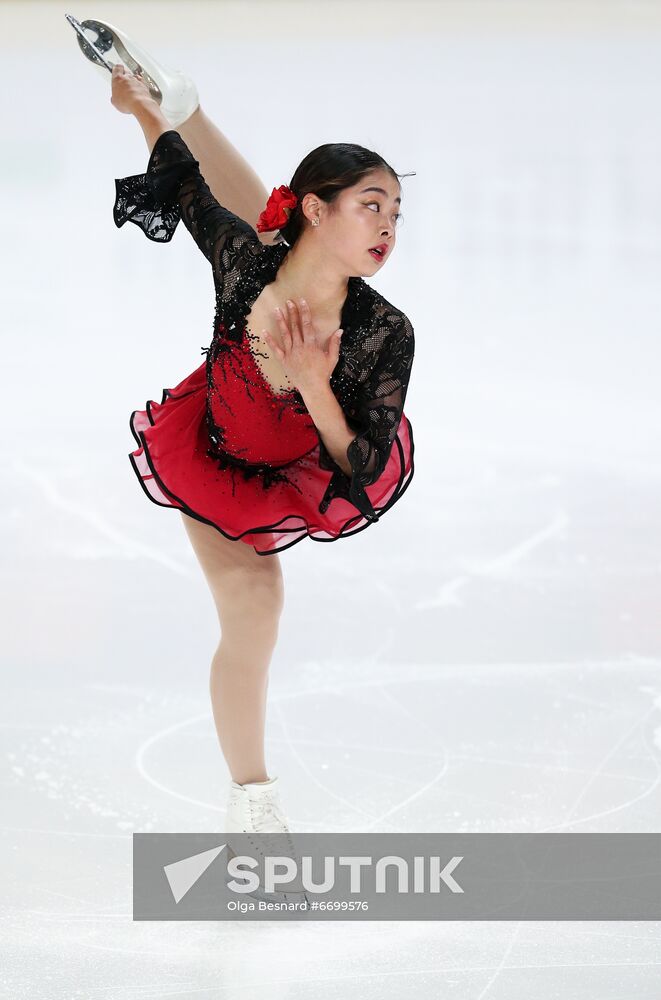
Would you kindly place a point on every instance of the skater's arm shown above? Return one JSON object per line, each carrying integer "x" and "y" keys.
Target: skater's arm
{"x": 173, "y": 188}
{"x": 229, "y": 176}
{"x": 173, "y": 174}
{"x": 331, "y": 423}
{"x": 377, "y": 413}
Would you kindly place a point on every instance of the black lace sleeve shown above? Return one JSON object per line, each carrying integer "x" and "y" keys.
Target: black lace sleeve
{"x": 377, "y": 416}
{"x": 172, "y": 189}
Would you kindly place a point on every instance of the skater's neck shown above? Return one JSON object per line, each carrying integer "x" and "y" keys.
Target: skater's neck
{"x": 306, "y": 272}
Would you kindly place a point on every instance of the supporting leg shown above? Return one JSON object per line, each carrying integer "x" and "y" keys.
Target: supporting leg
{"x": 248, "y": 592}
{"x": 238, "y": 686}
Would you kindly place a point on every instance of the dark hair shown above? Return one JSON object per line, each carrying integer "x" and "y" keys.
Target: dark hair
{"x": 326, "y": 171}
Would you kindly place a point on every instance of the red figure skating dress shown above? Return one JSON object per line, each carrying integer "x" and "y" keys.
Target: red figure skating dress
{"x": 223, "y": 445}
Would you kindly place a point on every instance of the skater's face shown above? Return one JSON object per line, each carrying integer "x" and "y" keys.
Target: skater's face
{"x": 364, "y": 216}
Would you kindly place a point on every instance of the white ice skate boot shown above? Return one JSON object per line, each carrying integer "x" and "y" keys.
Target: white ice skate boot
{"x": 104, "y": 45}
{"x": 254, "y": 809}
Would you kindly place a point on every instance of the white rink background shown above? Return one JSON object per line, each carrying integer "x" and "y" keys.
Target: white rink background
{"x": 486, "y": 658}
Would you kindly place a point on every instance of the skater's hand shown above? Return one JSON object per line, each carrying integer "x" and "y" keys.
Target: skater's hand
{"x": 129, "y": 92}
{"x": 306, "y": 362}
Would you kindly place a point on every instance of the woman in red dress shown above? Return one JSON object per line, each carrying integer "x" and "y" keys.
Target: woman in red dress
{"x": 293, "y": 426}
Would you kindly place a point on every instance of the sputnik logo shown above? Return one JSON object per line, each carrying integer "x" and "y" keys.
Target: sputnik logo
{"x": 182, "y": 875}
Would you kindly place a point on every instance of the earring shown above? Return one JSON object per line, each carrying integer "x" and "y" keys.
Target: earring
{"x": 315, "y": 222}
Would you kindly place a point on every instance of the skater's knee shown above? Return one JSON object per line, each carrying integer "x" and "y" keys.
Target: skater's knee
{"x": 250, "y": 602}
{"x": 246, "y": 587}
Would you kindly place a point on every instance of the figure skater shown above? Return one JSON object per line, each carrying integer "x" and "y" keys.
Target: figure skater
{"x": 293, "y": 426}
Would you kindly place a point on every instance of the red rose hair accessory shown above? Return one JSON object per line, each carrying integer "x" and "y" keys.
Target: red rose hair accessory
{"x": 279, "y": 207}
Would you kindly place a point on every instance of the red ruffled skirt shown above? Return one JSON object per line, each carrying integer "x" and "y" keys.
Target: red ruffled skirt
{"x": 269, "y": 512}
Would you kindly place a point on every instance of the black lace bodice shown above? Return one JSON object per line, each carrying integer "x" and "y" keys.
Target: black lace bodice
{"x": 371, "y": 377}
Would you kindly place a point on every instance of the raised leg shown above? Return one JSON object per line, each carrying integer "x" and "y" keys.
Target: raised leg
{"x": 248, "y": 591}
{"x": 229, "y": 175}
